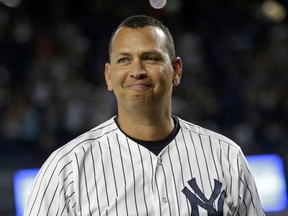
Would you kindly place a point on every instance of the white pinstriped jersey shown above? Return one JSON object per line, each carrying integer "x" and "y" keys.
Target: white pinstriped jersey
{"x": 104, "y": 172}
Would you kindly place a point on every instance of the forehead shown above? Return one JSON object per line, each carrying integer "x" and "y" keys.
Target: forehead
{"x": 129, "y": 37}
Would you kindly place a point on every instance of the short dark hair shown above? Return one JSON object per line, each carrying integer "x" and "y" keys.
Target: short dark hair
{"x": 141, "y": 21}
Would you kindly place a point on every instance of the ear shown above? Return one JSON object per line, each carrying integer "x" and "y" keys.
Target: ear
{"x": 178, "y": 68}
{"x": 107, "y": 77}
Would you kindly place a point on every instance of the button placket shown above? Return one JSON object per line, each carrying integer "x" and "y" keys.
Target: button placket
{"x": 162, "y": 199}
{"x": 159, "y": 161}
{"x": 165, "y": 199}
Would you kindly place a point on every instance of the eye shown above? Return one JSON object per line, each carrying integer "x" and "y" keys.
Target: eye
{"x": 151, "y": 58}
{"x": 123, "y": 60}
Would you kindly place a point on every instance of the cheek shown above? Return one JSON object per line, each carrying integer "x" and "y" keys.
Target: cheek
{"x": 117, "y": 79}
{"x": 164, "y": 83}
{"x": 165, "y": 76}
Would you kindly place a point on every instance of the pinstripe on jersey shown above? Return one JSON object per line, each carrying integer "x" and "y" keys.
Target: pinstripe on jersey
{"x": 103, "y": 172}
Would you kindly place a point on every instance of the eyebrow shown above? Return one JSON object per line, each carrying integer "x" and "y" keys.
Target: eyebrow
{"x": 122, "y": 54}
{"x": 147, "y": 52}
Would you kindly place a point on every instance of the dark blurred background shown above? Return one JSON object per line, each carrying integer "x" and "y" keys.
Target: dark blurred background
{"x": 52, "y": 56}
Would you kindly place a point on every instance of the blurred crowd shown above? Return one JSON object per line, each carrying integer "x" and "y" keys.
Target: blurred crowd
{"x": 52, "y": 88}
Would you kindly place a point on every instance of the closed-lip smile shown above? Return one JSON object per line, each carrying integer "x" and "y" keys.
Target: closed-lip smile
{"x": 138, "y": 85}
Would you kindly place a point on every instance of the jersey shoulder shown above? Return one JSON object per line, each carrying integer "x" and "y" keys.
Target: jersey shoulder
{"x": 91, "y": 136}
{"x": 193, "y": 128}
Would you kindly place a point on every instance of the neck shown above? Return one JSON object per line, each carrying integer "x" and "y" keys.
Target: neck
{"x": 146, "y": 126}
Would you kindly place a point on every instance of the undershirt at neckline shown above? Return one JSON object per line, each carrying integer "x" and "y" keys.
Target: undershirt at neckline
{"x": 155, "y": 146}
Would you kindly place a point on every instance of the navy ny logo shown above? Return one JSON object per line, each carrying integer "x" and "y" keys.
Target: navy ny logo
{"x": 198, "y": 199}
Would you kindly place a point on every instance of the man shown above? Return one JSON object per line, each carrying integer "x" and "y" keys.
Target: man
{"x": 145, "y": 161}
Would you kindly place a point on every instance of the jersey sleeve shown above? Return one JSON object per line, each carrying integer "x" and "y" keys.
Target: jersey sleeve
{"x": 249, "y": 198}
{"x": 52, "y": 192}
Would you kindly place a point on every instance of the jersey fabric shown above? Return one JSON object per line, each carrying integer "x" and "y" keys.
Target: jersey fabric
{"x": 104, "y": 172}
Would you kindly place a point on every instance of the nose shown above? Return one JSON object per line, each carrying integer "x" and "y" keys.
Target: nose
{"x": 138, "y": 71}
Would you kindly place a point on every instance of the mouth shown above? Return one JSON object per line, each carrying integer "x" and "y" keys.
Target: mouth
{"x": 138, "y": 86}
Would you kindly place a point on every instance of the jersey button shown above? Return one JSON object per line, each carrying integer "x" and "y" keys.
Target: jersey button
{"x": 165, "y": 199}
{"x": 159, "y": 162}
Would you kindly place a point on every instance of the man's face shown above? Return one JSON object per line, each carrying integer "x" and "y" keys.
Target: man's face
{"x": 140, "y": 71}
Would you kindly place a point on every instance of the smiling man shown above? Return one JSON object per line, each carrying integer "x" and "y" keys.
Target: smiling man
{"x": 142, "y": 74}
{"x": 145, "y": 160}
